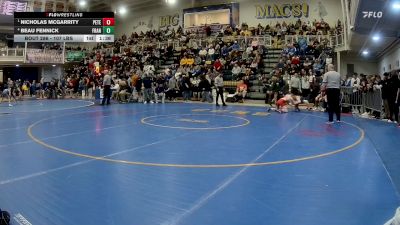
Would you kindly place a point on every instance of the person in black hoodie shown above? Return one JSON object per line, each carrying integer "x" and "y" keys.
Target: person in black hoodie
{"x": 396, "y": 93}
{"x": 186, "y": 87}
{"x": 384, "y": 90}
{"x": 205, "y": 88}
{"x": 393, "y": 88}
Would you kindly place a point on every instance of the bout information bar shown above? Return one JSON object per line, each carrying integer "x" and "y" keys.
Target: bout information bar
{"x": 64, "y": 27}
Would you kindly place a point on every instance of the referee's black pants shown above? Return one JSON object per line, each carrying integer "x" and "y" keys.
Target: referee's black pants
{"x": 333, "y": 95}
{"x": 106, "y": 94}
{"x": 220, "y": 92}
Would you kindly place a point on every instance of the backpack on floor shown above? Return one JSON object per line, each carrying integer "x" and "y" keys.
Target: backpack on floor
{"x": 231, "y": 98}
{"x": 4, "y": 218}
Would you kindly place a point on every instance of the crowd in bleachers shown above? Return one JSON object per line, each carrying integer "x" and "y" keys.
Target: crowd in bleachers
{"x": 278, "y": 30}
{"x": 192, "y": 68}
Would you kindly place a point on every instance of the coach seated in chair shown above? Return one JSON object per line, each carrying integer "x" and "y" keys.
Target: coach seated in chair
{"x": 115, "y": 90}
{"x": 124, "y": 92}
{"x": 241, "y": 91}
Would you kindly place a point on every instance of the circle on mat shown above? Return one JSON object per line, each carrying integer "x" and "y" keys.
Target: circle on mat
{"x": 153, "y": 164}
{"x": 196, "y": 121}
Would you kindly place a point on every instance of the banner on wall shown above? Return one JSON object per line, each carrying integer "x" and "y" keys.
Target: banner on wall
{"x": 282, "y": 10}
{"x": 168, "y": 20}
{"x": 232, "y": 14}
{"x": 9, "y": 7}
{"x": 75, "y": 56}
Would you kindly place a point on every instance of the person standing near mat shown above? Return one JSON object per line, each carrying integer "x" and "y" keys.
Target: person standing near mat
{"x": 219, "y": 85}
{"x": 331, "y": 83}
{"x": 107, "y": 89}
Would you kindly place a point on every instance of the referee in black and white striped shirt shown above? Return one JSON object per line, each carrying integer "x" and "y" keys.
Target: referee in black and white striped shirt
{"x": 331, "y": 83}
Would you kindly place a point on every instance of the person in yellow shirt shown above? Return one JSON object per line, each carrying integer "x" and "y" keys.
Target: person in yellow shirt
{"x": 184, "y": 61}
{"x": 190, "y": 61}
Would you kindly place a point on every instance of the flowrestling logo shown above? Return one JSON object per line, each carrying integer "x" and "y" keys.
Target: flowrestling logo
{"x": 372, "y": 14}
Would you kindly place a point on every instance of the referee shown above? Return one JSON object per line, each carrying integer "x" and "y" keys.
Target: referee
{"x": 219, "y": 85}
{"x": 331, "y": 84}
{"x": 107, "y": 89}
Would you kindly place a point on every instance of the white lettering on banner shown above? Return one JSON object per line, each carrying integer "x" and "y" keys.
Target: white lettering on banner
{"x": 21, "y": 219}
{"x": 372, "y": 14}
{"x": 9, "y": 7}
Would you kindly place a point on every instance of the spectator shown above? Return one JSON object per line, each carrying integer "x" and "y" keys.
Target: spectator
{"x": 172, "y": 88}
{"x": 385, "y": 92}
{"x": 295, "y": 84}
{"x": 219, "y": 85}
{"x": 205, "y": 88}
{"x": 147, "y": 89}
{"x": 241, "y": 91}
{"x": 236, "y": 70}
{"x": 393, "y": 91}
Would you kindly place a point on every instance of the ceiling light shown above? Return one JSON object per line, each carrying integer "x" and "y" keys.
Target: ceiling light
{"x": 376, "y": 37}
{"x": 17, "y": 65}
{"x": 171, "y": 2}
{"x": 396, "y": 5}
{"x": 365, "y": 52}
{"x": 122, "y": 10}
{"x": 82, "y": 3}
{"x": 53, "y": 65}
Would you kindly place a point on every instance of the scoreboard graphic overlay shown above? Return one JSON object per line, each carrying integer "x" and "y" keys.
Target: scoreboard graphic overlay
{"x": 64, "y": 27}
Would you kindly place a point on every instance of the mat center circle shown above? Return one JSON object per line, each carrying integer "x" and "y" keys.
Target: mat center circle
{"x": 196, "y": 121}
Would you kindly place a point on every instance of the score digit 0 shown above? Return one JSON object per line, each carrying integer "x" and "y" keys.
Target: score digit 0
{"x": 108, "y": 21}
{"x": 108, "y": 30}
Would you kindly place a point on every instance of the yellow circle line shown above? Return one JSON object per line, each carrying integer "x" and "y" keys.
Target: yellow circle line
{"x": 362, "y": 135}
{"x": 247, "y": 122}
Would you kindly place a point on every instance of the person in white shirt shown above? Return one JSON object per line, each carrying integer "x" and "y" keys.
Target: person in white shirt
{"x": 295, "y": 84}
{"x": 211, "y": 53}
{"x": 355, "y": 82}
{"x": 107, "y": 89}
{"x": 219, "y": 85}
{"x": 249, "y": 49}
{"x": 332, "y": 86}
{"x": 305, "y": 86}
{"x": 149, "y": 69}
{"x": 203, "y": 53}
{"x": 236, "y": 70}
{"x": 115, "y": 90}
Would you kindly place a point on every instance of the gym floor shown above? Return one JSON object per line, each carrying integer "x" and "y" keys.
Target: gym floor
{"x": 68, "y": 162}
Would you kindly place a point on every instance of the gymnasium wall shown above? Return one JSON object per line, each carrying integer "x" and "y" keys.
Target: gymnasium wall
{"x": 361, "y": 64}
{"x": 390, "y": 61}
{"x": 49, "y": 72}
{"x": 252, "y": 12}
{"x": 154, "y": 19}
